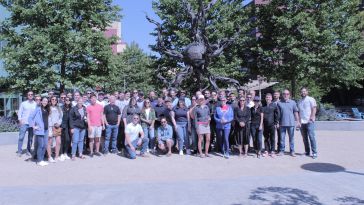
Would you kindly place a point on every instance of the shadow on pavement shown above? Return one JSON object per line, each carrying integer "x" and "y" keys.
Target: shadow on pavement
{"x": 282, "y": 196}
{"x": 327, "y": 168}
{"x": 349, "y": 200}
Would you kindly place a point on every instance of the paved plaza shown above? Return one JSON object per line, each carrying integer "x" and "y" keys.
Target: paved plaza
{"x": 335, "y": 177}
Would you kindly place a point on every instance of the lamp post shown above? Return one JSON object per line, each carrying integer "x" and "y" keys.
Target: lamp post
{"x": 261, "y": 79}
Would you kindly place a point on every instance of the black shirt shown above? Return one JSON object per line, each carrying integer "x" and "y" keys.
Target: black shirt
{"x": 271, "y": 115}
{"x": 111, "y": 113}
{"x": 180, "y": 114}
{"x": 255, "y": 115}
{"x": 242, "y": 115}
{"x": 45, "y": 115}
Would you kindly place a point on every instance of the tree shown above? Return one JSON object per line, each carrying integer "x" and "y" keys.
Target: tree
{"x": 53, "y": 43}
{"x": 131, "y": 69}
{"x": 306, "y": 42}
{"x": 214, "y": 29}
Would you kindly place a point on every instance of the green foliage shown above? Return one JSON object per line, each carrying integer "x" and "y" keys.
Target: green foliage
{"x": 223, "y": 19}
{"x": 8, "y": 125}
{"x": 132, "y": 67}
{"x": 57, "y": 42}
{"x": 304, "y": 42}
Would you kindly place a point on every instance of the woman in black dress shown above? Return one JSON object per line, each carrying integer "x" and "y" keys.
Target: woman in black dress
{"x": 242, "y": 126}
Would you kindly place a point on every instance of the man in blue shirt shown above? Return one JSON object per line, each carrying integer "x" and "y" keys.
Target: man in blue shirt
{"x": 288, "y": 113}
{"x": 165, "y": 137}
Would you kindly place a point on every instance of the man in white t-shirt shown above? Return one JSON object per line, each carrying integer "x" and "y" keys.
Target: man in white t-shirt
{"x": 307, "y": 113}
{"x": 134, "y": 137}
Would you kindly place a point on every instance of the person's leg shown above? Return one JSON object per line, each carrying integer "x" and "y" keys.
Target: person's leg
{"x": 49, "y": 146}
{"x": 22, "y": 131}
{"x": 130, "y": 152}
{"x": 107, "y": 138}
{"x": 312, "y": 136}
{"x": 253, "y": 132}
{"x": 278, "y": 139}
{"x": 145, "y": 143}
{"x": 62, "y": 148}
{"x": 35, "y": 155}
{"x": 91, "y": 145}
{"x": 40, "y": 140}
{"x": 282, "y": 145}
{"x": 58, "y": 145}
{"x": 169, "y": 146}
{"x": 291, "y": 139}
{"x": 152, "y": 138}
{"x": 66, "y": 142}
{"x": 75, "y": 141}
{"x": 226, "y": 141}
{"x": 259, "y": 140}
{"x": 80, "y": 141}
{"x": 186, "y": 138}
{"x": 114, "y": 135}
{"x": 199, "y": 144}
{"x": 180, "y": 136}
{"x": 207, "y": 144}
{"x": 97, "y": 144}
{"x": 304, "y": 133}
{"x": 272, "y": 139}
{"x": 219, "y": 140}
{"x": 30, "y": 140}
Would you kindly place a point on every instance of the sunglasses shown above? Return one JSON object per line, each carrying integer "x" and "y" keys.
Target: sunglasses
{"x": 88, "y": 93}
{"x": 147, "y": 102}
{"x": 37, "y": 99}
{"x": 30, "y": 94}
{"x": 135, "y": 118}
{"x": 63, "y": 97}
{"x": 53, "y": 99}
{"x": 242, "y": 100}
{"x": 164, "y": 122}
{"x": 67, "y": 100}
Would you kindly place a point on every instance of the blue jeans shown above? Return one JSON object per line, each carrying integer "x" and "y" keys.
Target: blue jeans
{"x": 144, "y": 145}
{"x": 150, "y": 134}
{"x": 182, "y": 134}
{"x": 23, "y": 129}
{"x": 77, "y": 141}
{"x": 222, "y": 136}
{"x": 257, "y": 136}
{"x": 111, "y": 132}
{"x": 308, "y": 133}
{"x": 290, "y": 130}
{"x": 193, "y": 137}
{"x": 42, "y": 143}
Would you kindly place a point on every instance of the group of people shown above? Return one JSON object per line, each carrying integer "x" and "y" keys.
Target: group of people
{"x": 123, "y": 122}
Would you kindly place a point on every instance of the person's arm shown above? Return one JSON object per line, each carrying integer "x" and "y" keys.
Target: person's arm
{"x": 128, "y": 142}
{"x": 20, "y": 113}
{"x": 230, "y": 116}
{"x": 159, "y": 138}
{"x": 124, "y": 115}
{"x": 276, "y": 115}
{"x": 216, "y": 116}
{"x": 60, "y": 117}
{"x": 104, "y": 117}
{"x": 170, "y": 132}
{"x": 261, "y": 120}
{"x": 31, "y": 118}
{"x": 313, "y": 111}
{"x": 296, "y": 115}
{"x": 173, "y": 120}
{"x": 88, "y": 119}
{"x": 153, "y": 117}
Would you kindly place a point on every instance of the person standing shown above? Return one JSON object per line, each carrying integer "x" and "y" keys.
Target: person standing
{"x": 180, "y": 120}
{"x": 148, "y": 118}
{"x": 55, "y": 130}
{"x": 288, "y": 113}
{"x": 242, "y": 126}
{"x": 78, "y": 125}
{"x": 76, "y": 97}
{"x": 256, "y": 125}
{"x": 202, "y": 123}
{"x": 95, "y": 122}
{"x": 223, "y": 116}
{"x": 276, "y": 99}
{"x": 307, "y": 112}
{"x": 38, "y": 120}
{"x": 134, "y": 137}
{"x": 26, "y": 108}
{"x": 65, "y": 137}
{"x": 192, "y": 125}
{"x": 112, "y": 118}
{"x": 270, "y": 124}
{"x": 130, "y": 110}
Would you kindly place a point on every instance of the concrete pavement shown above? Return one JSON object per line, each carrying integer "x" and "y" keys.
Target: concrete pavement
{"x": 336, "y": 177}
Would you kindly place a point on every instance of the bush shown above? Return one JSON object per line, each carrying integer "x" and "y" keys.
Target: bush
{"x": 8, "y": 125}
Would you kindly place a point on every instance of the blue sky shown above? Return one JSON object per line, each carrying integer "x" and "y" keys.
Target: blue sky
{"x": 134, "y": 26}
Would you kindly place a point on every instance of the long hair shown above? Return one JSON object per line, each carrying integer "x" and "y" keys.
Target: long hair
{"x": 67, "y": 106}
{"x": 56, "y": 105}
{"x": 131, "y": 100}
{"x": 47, "y": 107}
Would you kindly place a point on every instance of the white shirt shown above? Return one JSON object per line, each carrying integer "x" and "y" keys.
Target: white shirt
{"x": 305, "y": 106}
{"x": 103, "y": 103}
{"x": 250, "y": 104}
{"x": 26, "y": 108}
{"x": 147, "y": 112}
{"x": 133, "y": 131}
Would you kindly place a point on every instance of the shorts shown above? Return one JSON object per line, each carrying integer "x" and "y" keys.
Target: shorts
{"x": 203, "y": 129}
{"x": 95, "y": 131}
{"x": 165, "y": 142}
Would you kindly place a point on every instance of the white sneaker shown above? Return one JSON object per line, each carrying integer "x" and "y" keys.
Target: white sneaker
{"x": 181, "y": 152}
{"x": 59, "y": 159}
{"x": 65, "y": 156}
{"x": 148, "y": 150}
{"x": 42, "y": 163}
{"x": 51, "y": 160}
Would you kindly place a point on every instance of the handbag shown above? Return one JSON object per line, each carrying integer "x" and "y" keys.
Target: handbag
{"x": 57, "y": 131}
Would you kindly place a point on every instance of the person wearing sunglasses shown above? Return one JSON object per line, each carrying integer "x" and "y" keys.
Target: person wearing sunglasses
{"x": 66, "y": 137}
{"x": 134, "y": 138}
{"x": 288, "y": 112}
{"x": 242, "y": 127}
{"x": 148, "y": 119}
{"x": 55, "y": 130}
{"x": 270, "y": 123}
{"x": 165, "y": 137}
{"x": 223, "y": 116}
{"x": 256, "y": 125}
{"x": 78, "y": 125}
{"x": 202, "y": 122}
{"x": 112, "y": 118}
{"x": 26, "y": 108}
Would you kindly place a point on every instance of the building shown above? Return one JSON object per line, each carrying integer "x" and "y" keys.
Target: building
{"x": 115, "y": 30}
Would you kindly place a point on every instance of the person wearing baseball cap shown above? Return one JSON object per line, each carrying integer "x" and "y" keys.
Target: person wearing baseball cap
{"x": 202, "y": 118}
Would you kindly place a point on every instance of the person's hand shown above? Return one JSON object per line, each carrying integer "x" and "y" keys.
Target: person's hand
{"x": 21, "y": 122}
{"x": 242, "y": 124}
{"x": 132, "y": 148}
{"x": 118, "y": 124}
{"x": 139, "y": 142}
{"x": 35, "y": 127}
{"x": 151, "y": 127}
{"x": 175, "y": 128}
{"x": 312, "y": 119}
{"x": 72, "y": 131}
{"x": 298, "y": 125}
{"x": 277, "y": 126}
{"x": 260, "y": 127}
{"x": 103, "y": 127}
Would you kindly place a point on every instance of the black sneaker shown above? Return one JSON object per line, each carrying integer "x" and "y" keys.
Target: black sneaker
{"x": 91, "y": 155}
{"x": 114, "y": 151}
{"x": 98, "y": 154}
{"x": 106, "y": 153}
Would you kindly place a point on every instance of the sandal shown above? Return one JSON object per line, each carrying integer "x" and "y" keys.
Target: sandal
{"x": 82, "y": 157}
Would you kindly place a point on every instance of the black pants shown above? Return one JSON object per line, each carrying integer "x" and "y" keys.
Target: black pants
{"x": 279, "y": 138}
{"x": 121, "y": 136}
{"x": 269, "y": 138}
{"x": 65, "y": 141}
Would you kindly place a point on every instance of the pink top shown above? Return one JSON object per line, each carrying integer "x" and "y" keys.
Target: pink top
{"x": 94, "y": 113}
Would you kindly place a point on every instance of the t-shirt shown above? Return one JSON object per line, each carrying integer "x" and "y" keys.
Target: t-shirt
{"x": 304, "y": 106}
{"x": 94, "y": 113}
{"x": 111, "y": 112}
{"x": 26, "y": 108}
{"x": 133, "y": 131}
{"x": 287, "y": 110}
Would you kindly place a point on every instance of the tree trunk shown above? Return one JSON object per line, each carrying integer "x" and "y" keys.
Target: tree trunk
{"x": 293, "y": 87}
{"x": 63, "y": 74}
